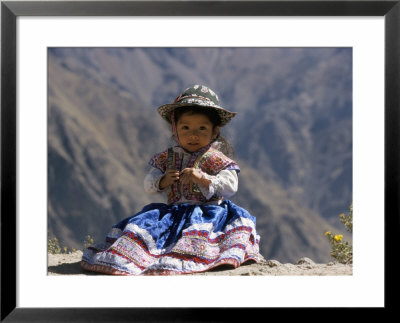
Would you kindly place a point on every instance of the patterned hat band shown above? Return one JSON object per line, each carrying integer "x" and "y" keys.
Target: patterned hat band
{"x": 200, "y": 96}
{"x": 181, "y": 98}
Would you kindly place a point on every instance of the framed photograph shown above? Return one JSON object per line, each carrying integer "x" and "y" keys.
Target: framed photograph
{"x": 35, "y": 39}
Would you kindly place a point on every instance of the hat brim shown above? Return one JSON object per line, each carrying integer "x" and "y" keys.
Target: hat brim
{"x": 225, "y": 115}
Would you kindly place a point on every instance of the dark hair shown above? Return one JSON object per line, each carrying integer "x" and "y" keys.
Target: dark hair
{"x": 223, "y": 145}
{"x": 211, "y": 114}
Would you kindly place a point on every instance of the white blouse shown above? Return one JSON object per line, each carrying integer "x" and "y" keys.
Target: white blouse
{"x": 224, "y": 184}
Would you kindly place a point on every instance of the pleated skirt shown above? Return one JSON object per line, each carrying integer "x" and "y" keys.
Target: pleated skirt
{"x": 165, "y": 239}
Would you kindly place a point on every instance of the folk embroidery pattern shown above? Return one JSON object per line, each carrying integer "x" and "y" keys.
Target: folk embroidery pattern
{"x": 198, "y": 249}
{"x": 208, "y": 160}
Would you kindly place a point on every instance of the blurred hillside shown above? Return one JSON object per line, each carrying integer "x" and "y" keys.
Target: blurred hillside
{"x": 292, "y": 136}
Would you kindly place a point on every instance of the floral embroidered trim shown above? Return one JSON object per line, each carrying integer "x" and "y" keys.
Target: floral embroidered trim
{"x": 160, "y": 161}
{"x": 199, "y": 249}
{"x": 209, "y": 160}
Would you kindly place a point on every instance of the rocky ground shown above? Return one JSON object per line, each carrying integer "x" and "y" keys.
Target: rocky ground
{"x": 69, "y": 264}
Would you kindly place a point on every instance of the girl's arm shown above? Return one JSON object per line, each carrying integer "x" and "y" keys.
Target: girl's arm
{"x": 152, "y": 181}
{"x": 224, "y": 184}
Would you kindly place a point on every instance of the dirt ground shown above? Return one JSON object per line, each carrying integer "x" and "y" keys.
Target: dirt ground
{"x": 69, "y": 264}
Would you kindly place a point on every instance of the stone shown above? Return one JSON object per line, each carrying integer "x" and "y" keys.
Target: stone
{"x": 305, "y": 261}
{"x": 272, "y": 263}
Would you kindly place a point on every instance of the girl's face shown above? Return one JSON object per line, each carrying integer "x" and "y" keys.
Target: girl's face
{"x": 195, "y": 131}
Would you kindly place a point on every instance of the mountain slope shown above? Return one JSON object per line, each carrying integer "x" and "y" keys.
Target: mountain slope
{"x": 292, "y": 136}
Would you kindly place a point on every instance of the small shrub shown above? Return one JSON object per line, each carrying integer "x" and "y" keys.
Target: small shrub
{"x": 53, "y": 246}
{"x": 89, "y": 241}
{"x": 342, "y": 251}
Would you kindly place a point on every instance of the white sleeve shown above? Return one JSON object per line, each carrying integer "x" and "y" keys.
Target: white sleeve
{"x": 152, "y": 181}
{"x": 224, "y": 184}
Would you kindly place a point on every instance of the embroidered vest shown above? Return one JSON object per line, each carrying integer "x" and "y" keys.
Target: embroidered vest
{"x": 208, "y": 159}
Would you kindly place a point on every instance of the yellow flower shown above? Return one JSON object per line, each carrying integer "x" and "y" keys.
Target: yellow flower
{"x": 327, "y": 233}
{"x": 341, "y": 215}
{"x": 338, "y": 237}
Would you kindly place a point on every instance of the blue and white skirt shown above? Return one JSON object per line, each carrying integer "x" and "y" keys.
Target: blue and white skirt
{"x": 167, "y": 239}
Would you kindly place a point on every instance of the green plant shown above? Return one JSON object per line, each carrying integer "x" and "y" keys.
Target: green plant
{"x": 53, "y": 246}
{"x": 342, "y": 251}
{"x": 89, "y": 241}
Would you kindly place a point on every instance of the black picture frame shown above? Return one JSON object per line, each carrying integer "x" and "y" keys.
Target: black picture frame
{"x": 11, "y": 10}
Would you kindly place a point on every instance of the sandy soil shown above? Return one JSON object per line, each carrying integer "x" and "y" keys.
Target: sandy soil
{"x": 69, "y": 264}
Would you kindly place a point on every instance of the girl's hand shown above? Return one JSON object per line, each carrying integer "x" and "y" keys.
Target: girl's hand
{"x": 170, "y": 176}
{"x": 193, "y": 175}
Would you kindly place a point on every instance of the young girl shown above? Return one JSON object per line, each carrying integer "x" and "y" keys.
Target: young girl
{"x": 199, "y": 228}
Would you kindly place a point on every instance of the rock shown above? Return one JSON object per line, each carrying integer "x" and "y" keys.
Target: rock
{"x": 272, "y": 263}
{"x": 305, "y": 261}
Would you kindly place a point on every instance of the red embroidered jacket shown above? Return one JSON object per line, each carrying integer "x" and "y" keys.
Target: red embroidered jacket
{"x": 209, "y": 160}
